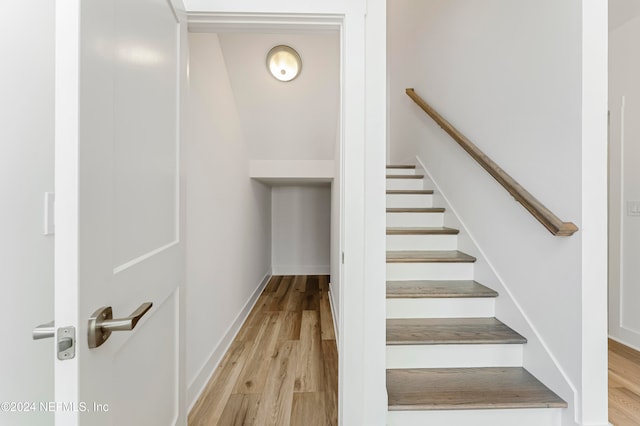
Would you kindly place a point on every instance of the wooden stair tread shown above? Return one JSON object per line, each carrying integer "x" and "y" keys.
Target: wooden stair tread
{"x": 467, "y": 388}
{"x": 437, "y": 289}
{"x": 428, "y": 256}
{"x": 415, "y": 210}
{"x": 410, "y": 191}
{"x": 440, "y": 230}
{"x": 450, "y": 331}
{"x": 400, "y": 166}
{"x": 405, "y": 176}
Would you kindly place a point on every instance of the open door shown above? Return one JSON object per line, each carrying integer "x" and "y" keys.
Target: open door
{"x": 118, "y": 250}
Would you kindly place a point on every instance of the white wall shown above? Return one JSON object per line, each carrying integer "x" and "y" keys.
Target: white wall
{"x": 509, "y": 76}
{"x": 624, "y": 106}
{"x": 301, "y": 229}
{"x": 228, "y": 240}
{"x": 26, "y": 172}
{"x": 295, "y": 120}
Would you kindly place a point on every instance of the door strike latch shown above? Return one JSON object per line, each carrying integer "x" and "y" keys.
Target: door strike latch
{"x": 66, "y": 343}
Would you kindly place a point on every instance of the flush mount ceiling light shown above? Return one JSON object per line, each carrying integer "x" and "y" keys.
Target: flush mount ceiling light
{"x": 284, "y": 63}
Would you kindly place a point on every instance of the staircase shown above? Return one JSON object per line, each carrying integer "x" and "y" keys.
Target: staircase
{"x": 449, "y": 360}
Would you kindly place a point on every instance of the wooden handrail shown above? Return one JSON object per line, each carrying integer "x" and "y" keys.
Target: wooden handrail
{"x": 536, "y": 208}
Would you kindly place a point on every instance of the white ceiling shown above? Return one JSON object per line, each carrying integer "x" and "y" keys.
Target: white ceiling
{"x": 297, "y": 120}
{"x": 622, "y": 11}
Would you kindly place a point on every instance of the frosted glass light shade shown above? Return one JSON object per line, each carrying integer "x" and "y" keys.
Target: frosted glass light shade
{"x": 284, "y": 63}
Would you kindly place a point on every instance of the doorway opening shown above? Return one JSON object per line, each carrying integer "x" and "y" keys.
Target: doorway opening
{"x": 263, "y": 194}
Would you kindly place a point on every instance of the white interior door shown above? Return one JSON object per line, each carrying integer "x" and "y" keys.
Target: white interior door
{"x": 119, "y": 68}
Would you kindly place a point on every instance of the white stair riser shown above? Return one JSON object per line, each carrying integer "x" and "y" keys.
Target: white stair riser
{"x": 454, "y": 356}
{"x": 401, "y": 171}
{"x": 429, "y": 271}
{"x": 415, "y": 219}
{"x": 442, "y": 307}
{"x": 422, "y": 242}
{"x": 405, "y": 184}
{"x": 519, "y": 417}
{"x": 409, "y": 200}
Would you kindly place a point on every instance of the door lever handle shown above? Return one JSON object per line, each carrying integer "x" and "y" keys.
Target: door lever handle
{"x": 101, "y": 323}
{"x": 44, "y": 331}
{"x": 125, "y": 324}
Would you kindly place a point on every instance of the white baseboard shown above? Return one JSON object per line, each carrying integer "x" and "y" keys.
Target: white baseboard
{"x": 201, "y": 380}
{"x": 624, "y": 342}
{"x": 301, "y": 269}
{"x": 335, "y": 318}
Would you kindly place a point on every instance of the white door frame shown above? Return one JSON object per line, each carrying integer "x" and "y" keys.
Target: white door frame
{"x": 362, "y": 391}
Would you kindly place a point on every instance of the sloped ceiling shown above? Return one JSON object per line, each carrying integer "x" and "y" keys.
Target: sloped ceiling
{"x": 296, "y": 120}
{"x": 622, "y": 11}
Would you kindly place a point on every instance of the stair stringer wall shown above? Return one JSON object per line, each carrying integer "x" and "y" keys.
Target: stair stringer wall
{"x": 537, "y": 356}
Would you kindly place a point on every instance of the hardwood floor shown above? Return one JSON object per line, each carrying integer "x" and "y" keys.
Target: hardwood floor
{"x": 624, "y": 385}
{"x": 282, "y": 368}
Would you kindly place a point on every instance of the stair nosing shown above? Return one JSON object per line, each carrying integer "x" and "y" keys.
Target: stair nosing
{"x": 400, "y": 166}
{"x": 430, "y": 256}
{"x": 405, "y": 176}
{"x": 447, "y": 335}
{"x": 416, "y": 230}
{"x": 454, "y": 342}
{"x": 415, "y": 210}
{"x": 526, "y": 391}
{"x": 475, "y": 290}
{"x": 409, "y": 191}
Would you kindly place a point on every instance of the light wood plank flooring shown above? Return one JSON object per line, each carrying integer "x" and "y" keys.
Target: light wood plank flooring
{"x": 624, "y": 385}
{"x": 282, "y": 368}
